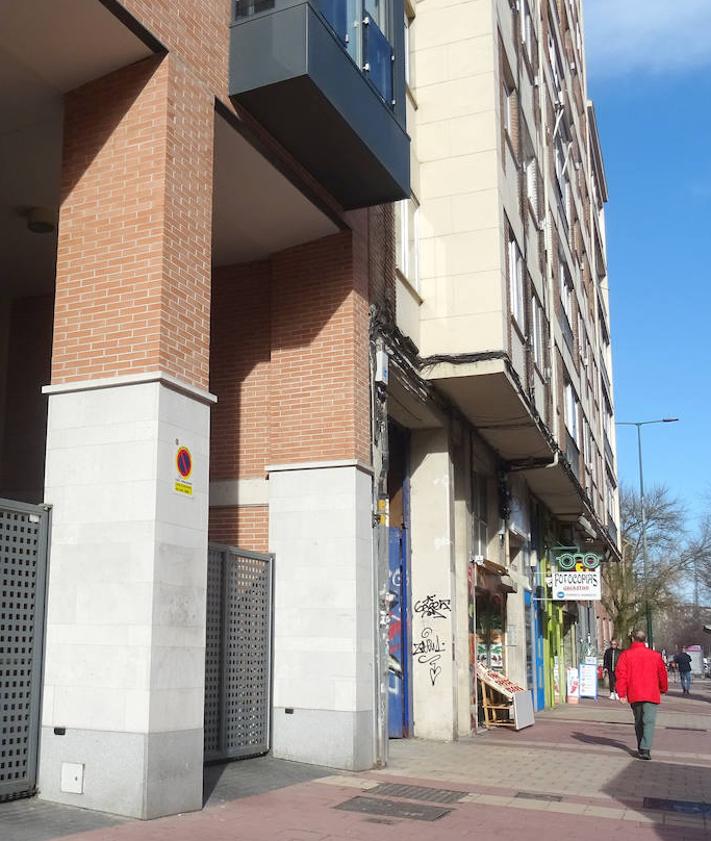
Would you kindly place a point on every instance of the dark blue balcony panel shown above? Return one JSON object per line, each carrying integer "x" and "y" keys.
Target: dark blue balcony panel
{"x": 293, "y": 73}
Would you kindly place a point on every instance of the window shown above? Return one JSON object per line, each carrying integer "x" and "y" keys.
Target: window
{"x": 509, "y": 102}
{"x": 516, "y": 292}
{"x": 528, "y": 37}
{"x": 406, "y": 213}
{"x": 480, "y": 502}
{"x": 538, "y": 334}
{"x": 532, "y": 188}
{"x": 572, "y": 411}
{"x": 409, "y": 69}
{"x": 610, "y": 487}
{"x": 566, "y": 289}
{"x": 378, "y": 11}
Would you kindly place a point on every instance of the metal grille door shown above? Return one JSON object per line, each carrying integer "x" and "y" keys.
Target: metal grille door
{"x": 238, "y": 653}
{"x": 23, "y": 568}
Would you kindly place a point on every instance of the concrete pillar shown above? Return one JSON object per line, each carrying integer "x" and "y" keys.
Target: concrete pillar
{"x": 432, "y": 560}
{"x": 462, "y": 468}
{"x": 320, "y": 504}
{"x": 320, "y": 529}
{"x": 122, "y": 727}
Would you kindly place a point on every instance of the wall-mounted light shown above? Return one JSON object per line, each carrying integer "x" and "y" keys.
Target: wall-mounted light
{"x": 41, "y": 220}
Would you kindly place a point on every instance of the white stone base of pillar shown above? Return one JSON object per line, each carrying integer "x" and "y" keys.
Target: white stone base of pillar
{"x": 321, "y": 531}
{"x": 125, "y": 646}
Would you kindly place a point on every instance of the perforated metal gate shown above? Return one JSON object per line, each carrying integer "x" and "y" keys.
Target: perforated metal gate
{"x": 238, "y": 655}
{"x": 23, "y": 573}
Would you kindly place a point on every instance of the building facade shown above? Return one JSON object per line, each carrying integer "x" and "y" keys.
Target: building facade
{"x": 502, "y": 302}
{"x": 322, "y": 281}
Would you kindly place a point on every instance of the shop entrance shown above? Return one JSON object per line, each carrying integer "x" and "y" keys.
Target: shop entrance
{"x": 238, "y": 654}
{"x": 23, "y": 570}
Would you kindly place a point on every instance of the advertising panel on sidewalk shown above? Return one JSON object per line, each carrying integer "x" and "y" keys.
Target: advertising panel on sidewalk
{"x": 588, "y": 679}
{"x": 573, "y": 685}
{"x": 505, "y": 703}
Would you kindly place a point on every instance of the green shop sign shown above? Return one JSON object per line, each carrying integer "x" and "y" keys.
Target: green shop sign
{"x": 572, "y": 558}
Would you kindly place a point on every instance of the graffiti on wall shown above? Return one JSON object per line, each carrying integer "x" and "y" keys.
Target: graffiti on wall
{"x": 428, "y": 651}
{"x": 432, "y": 607}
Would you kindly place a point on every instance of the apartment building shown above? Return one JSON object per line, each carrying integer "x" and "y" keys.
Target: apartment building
{"x": 503, "y": 329}
{"x": 304, "y": 376}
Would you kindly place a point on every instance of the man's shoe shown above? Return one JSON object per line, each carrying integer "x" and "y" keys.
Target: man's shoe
{"x": 645, "y": 754}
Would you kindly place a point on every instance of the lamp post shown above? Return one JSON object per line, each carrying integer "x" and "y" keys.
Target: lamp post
{"x": 643, "y": 512}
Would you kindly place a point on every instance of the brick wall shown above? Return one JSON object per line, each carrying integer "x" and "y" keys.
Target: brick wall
{"x": 22, "y": 453}
{"x": 196, "y": 30}
{"x": 240, "y": 347}
{"x": 133, "y": 281}
{"x": 318, "y": 405}
{"x": 243, "y": 526}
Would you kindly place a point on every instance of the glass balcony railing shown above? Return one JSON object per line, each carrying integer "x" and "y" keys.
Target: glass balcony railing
{"x": 378, "y": 59}
{"x": 358, "y": 24}
{"x": 339, "y": 17}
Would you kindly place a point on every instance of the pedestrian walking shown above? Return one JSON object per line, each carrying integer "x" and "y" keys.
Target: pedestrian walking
{"x": 683, "y": 664}
{"x": 641, "y": 679}
{"x": 609, "y": 664}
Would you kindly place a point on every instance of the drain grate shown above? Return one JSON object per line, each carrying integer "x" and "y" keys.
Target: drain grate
{"x": 688, "y": 729}
{"x": 393, "y": 809}
{"x": 533, "y": 795}
{"x": 429, "y": 795}
{"x": 685, "y": 807}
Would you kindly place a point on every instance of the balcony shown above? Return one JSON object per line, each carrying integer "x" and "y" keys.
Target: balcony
{"x": 566, "y": 330}
{"x": 572, "y": 454}
{"x": 608, "y": 451}
{"x": 328, "y": 84}
{"x": 606, "y": 379}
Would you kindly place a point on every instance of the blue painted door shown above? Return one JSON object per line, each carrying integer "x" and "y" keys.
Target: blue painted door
{"x": 397, "y": 642}
{"x": 540, "y": 698}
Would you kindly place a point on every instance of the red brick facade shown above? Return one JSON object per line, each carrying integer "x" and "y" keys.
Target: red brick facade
{"x": 243, "y": 526}
{"x": 133, "y": 280}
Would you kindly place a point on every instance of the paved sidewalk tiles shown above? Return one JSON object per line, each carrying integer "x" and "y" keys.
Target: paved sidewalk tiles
{"x": 572, "y": 777}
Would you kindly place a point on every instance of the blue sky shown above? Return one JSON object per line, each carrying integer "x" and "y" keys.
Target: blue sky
{"x": 649, "y": 74}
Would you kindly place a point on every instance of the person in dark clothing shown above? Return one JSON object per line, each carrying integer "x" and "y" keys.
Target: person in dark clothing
{"x": 609, "y": 664}
{"x": 683, "y": 664}
{"x": 641, "y": 679}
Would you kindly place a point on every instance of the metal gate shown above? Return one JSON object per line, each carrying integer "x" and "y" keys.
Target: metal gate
{"x": 238, "y": 655}
{"x": 23, "y": 576}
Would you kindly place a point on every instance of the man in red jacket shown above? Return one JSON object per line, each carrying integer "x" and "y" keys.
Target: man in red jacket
{"x": 641, "y": 677}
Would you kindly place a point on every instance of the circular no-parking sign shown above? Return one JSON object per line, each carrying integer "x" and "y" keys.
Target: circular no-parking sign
{"x": 184, "y": 462}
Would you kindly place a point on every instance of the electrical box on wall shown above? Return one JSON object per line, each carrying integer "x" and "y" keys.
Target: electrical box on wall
{"x": 381, "y": 367}
{"x": 72, "y": 778}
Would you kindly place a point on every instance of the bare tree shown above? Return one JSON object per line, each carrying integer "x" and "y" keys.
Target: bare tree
{"x": 673, "y": 555}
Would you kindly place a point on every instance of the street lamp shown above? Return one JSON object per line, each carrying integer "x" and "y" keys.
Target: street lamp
{"x": 645, "y": 556}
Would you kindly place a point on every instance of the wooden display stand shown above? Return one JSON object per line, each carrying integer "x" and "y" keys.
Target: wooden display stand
{"x": 505, "y": 703}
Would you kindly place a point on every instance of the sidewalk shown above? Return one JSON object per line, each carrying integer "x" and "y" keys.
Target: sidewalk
{"x": 572, "y": 776}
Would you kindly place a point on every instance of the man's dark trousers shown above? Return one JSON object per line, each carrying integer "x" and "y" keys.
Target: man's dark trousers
{"x": 645, "y": 719}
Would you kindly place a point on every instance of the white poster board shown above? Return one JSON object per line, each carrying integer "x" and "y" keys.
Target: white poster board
{"x": 573, "y": 685}
{"x": 523, "y": 710}
{"x": 588, "y": 680}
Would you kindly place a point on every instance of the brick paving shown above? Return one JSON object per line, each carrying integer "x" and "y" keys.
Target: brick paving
{"x": 574, "y": 770}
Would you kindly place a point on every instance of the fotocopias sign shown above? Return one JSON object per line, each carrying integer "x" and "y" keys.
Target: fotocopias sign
{"x": 578, "y": 577}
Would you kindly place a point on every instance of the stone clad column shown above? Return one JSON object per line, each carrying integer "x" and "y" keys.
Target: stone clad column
{"x": 124, "y": 667}
{"x": 320, "y": 507}
{"x": 434, "y": 675}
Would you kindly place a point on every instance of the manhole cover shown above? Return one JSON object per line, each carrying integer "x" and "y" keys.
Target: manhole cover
{"x": 393, "y": 809}
{"x": 431, "y": 795}
{"x": 533, "y": 795}
{"x": 686, "y": 807}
